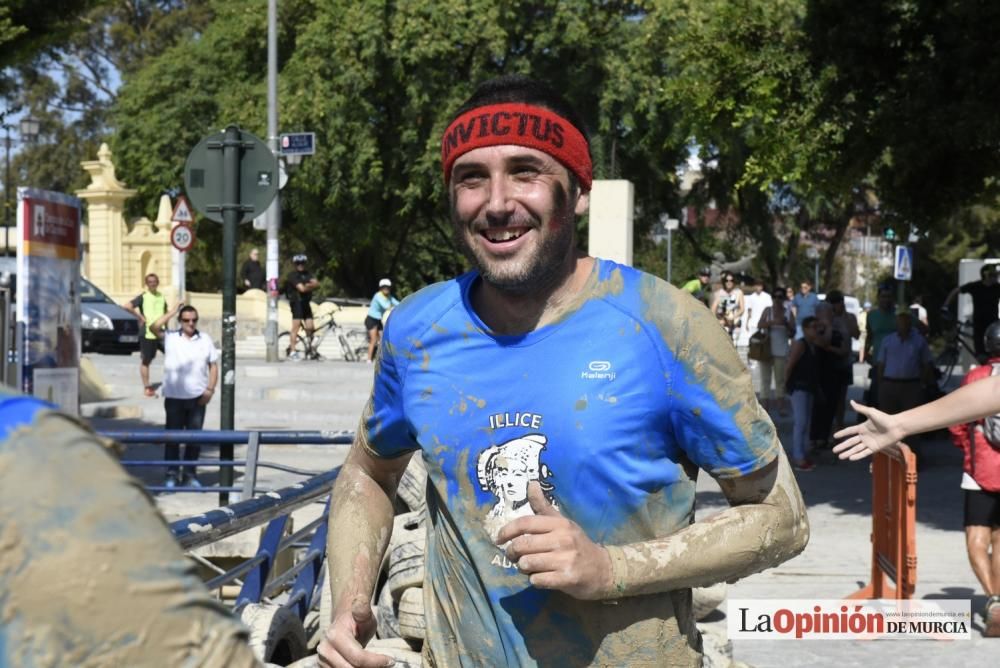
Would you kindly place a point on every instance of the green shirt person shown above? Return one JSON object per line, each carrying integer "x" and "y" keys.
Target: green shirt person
{"x": 700, "y": 287}
{"x": 148, "y": 307}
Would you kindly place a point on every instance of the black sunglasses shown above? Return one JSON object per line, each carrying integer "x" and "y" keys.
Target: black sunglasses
{"x": 189, "y": 319}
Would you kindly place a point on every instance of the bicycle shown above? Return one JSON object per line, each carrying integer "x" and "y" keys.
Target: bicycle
{"x": 353, "y": 342}
{"x": 959, "y": 336}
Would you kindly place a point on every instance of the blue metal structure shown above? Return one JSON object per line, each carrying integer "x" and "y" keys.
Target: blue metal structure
{"x": 303, "y": 579}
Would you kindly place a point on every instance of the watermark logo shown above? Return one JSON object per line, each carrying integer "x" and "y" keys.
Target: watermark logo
{"x": 803, "y": 619}
{"x": 598, "y": 370}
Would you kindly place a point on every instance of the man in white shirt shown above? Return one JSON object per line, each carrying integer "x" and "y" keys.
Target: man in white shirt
{"x": 190, "y": 374}
{"x": 756, "y": 302}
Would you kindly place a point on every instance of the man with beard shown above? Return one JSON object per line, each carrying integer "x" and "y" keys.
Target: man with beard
{"x": 600, "y": 388}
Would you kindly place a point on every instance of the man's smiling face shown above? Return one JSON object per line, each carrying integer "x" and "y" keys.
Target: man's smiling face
{"x": 514, "y": 211}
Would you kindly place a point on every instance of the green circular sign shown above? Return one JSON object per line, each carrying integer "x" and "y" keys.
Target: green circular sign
{"x": 205, "y": 176}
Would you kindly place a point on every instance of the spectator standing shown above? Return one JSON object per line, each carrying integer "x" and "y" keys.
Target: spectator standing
{"x": 846, "y": 324}
{"x": 148, "y": 307}
{"x": 382, "y": 301}
{"x": 728, "y": 305}
{"x": 779, "y": 322}
{"x": 190, "y": 375}
{"x": 299, "y": 287}
{"x": 700, "y": 286}
{"x": 980, "y": 443}
{"x": 920, "y": 315}
{"x": 757, "y": 301}
{"x": 483, "y": 375}
{"x": 985, "y": 295}
{"x": 904, "y": 365}
{"x": 804, "y": 303}
{"x": 252, "y": 273}
{"x": 863, "y": 330}
{"x": 832, "y": 348}
{"x": 801, "y": 384}
{"x": 880, "y": 323}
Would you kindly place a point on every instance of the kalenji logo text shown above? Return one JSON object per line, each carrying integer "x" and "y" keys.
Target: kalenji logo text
{"x": 938, "y": 619}
{"x": 598, "y": 370}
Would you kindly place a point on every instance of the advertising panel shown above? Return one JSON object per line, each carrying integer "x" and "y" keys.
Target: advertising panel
{"x": 48, "y": 296}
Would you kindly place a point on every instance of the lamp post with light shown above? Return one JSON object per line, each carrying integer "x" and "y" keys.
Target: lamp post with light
{"x": 28, "y": 128}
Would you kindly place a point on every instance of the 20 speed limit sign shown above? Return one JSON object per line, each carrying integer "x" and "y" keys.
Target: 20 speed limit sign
{"x": 182, "y": 237}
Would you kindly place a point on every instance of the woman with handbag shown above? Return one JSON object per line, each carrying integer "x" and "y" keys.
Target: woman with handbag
{"x": 779, "y": 324}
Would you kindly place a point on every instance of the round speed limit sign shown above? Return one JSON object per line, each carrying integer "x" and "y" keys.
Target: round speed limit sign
{"x": 182, "y": 237}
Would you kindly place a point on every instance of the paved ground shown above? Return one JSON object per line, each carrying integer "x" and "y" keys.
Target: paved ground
{"x": 330, "y": 395}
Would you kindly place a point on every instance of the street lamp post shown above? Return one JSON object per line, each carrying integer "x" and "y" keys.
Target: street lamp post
{"x": 813, "y": 255}
{"x": 28, "y": 128}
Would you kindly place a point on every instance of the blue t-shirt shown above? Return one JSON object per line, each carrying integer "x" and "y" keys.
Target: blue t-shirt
{"x": 805, "y": 305}
{"x": 380, "y": 304}
{"x": 612, "y": 409}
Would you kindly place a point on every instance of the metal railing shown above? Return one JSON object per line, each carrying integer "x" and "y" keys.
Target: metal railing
{"x": 274, "y": 507}
{"x": 252, "y": 439}
{"x": 303, "y": 578}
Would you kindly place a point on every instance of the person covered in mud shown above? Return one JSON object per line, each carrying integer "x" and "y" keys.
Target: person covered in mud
{"x": 89, "y": 573}
{"x": 569, "y": 399}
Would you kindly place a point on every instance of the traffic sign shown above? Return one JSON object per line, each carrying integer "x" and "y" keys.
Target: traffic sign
{"x": 182, "y": 211}
{"x": 903, "y": 269}
{"x": 205, "y": 175}
{"x": 182, "y": 237}
{"x": 298, "y": 143}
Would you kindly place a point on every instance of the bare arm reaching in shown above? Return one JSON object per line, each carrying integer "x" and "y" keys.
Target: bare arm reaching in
{"x": 361, "y": 513}
{"x": 881, "y": 430}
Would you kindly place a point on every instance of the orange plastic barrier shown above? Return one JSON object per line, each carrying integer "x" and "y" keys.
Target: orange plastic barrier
{"x": 894, "y": 515}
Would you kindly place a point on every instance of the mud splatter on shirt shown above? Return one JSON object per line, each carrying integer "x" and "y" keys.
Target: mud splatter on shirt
{"x": 631, "y": 391}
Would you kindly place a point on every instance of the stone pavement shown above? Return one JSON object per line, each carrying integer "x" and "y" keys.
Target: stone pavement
{"x": 837, "y": 561}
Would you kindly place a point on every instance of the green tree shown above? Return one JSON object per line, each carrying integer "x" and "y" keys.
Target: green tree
{"x": 68, "y": 77}
{"x": 376, "y": 81}
{"x": 913, "y": 87}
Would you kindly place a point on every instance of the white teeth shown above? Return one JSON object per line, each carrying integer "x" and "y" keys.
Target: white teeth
{"x": 501, "y": 235}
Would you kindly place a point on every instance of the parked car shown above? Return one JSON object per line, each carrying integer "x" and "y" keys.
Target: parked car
{"x": 107, "y": 327}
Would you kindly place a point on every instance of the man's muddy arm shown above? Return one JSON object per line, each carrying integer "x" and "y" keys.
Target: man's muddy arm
{"x": 765, "y": 526}
{"x": 361, "y": 512}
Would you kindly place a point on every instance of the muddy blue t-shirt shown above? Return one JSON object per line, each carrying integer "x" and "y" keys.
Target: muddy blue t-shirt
{"x": 612, "y": 409}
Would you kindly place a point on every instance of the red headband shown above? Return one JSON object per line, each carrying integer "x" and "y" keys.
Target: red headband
{"x": 521, "y": 125}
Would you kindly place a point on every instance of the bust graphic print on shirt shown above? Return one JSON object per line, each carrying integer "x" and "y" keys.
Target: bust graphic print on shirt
{"x": 505, "y": 470}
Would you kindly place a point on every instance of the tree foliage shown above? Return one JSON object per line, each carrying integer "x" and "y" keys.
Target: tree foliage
{"x": 803, "y": 112}
{"x": 68, "y": 78}
{"x": 377, "y": 82}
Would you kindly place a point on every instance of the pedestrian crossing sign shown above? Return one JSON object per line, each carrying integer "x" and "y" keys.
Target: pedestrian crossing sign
{"x": 903, "y": 270}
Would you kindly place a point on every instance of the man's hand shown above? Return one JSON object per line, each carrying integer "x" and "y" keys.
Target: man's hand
{"x": 879, "y": 432}
{"x": 205, "y": 397}
{"x": 343, "y": 643}
{"x": 555, "y": 552}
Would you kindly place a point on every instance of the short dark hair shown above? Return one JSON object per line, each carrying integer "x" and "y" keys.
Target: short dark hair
{"x": 187, "y": 308}
{"x": 835, "y": 297}
{"x": 808, "y": 321}
{"x": 519, "y": 88}
{"x": 987, "y": 269}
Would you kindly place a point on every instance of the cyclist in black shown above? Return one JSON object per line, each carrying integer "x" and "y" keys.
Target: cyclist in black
{"x": 985, "y": 295}
{"x": 298, "y": 288}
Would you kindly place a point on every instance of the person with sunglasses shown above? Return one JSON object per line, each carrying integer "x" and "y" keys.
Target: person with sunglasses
{"x": 190, "y": 375}
{"x": 728, "y": 304}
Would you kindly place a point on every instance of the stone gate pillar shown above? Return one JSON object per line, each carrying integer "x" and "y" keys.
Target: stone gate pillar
{"x": 105, "y": 231}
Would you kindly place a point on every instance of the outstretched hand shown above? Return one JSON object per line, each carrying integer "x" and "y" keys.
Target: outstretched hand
{"x": 879, "y": 432}
{"x": 555, "y": 552}
{"x": 343, "y": 643}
